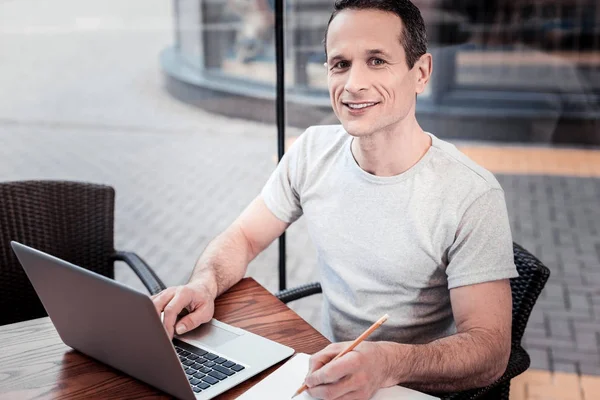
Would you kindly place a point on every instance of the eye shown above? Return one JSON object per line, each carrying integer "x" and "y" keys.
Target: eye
{"x": 341, "y": 65}
{"x": 377, "y": 61}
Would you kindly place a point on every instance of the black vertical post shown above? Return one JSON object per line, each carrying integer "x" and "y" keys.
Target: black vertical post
{"x": 280, "y": 109}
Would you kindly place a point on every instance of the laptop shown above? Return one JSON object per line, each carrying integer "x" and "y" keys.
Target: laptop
{"x": 119, "y": 326}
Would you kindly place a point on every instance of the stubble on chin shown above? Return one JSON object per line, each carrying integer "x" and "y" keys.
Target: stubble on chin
{"x": 357, "y": 131}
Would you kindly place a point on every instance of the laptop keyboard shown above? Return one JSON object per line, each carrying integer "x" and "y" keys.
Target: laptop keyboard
{"x": 203, "y": 368}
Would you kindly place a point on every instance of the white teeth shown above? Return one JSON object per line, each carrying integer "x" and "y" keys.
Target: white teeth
{"x": 363, "y": 105}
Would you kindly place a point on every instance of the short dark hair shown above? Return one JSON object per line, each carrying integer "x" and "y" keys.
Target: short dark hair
{"x": 413, "y": 36}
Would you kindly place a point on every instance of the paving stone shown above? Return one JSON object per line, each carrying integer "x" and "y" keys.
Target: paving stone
{"x": 565, "y": 367}
{"x": 584, "y": 289}
{"x": 542, "y": 332}
{"x": 590, "y": 385}
{"x": 560, "y": 328}
{"x": 536, "y": 317}
{"x": 575, "y": 315}
{"x": 566, "y": 385}
{"x": 596, "y": 312}
{"x": 564, "y": 355}
{"x": 589, "y": 369}
{"x": 551, "y": 342}
{"x": 554, "y": 291}
{"x": 586, "y": 340}
{"x": 579, "y": 302}
{"x": 540, "y": 359}
{"x": 586, "y": 326}
{"x": 592, "y": 276}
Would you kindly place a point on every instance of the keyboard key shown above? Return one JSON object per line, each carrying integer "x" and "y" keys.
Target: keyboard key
{"x": 223, "y": 370}
{"x": 217, "y": 375}
{"x": 210, "y": 356}
{"x": 210, "y": 380}
{"x": 220, "y": 360}
{"x": 228, "y": 364}
{"x": 199, "y": 375}
{"x": 195, "y": 381}
{"x": 193, "y": 356}
{"x": 197, "y": 390}
{"x": 209, "y": 364}
{"x": 181, "y": 358}
{"x": 203, "y": 385}
{"x": 237, "y": 367}
{"x": 204, "y": 370}
{"x": 190, "y": 378}
{"x": 183, "y": 348}
{"x": 199, "y": 351}
{"x": 201, "y": 360}
{"x": 185, "y": 353}
{"x": 197, "y": 366}
{"x": 188, "y": 363}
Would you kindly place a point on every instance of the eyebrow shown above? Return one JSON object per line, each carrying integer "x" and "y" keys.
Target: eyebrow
{"x": 378, "y": 52}
{"x": 372, "y": 52}
{"x": 335, "y": 59}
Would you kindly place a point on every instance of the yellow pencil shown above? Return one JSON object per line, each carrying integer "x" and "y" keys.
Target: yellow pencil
{"x": 348, "y": 349}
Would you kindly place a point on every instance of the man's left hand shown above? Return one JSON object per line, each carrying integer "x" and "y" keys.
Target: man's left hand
{"x": 356, "y": 375}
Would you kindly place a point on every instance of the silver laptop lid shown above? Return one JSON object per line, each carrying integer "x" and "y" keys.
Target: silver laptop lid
{"x": 106, "y": 320}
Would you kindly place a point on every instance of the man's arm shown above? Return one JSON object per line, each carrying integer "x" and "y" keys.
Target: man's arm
{"x": 475, "y": 356}
{"x": 222, "y": 264}
{"x": 225, "y": 260}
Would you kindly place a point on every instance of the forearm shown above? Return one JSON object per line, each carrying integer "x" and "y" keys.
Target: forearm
{"x": 458, "y": 362}
{"x": 224, "y": 261}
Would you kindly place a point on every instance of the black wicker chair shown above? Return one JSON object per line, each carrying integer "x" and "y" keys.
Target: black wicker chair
{"x": 70, "y": 220}
{"x": 526, "y": 288}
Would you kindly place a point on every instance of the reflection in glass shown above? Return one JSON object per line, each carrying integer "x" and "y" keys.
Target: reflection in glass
{"x": 535, "y": 63}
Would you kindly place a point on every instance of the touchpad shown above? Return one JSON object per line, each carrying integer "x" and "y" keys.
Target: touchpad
{"x": 210, "y": 335}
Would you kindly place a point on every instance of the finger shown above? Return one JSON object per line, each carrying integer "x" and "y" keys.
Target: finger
{"x": 161, "y": 299}
{"x": 322, "y": 357}
{"x": 177, "y": 303}
{"x": 332, "y": 390}
{"x": 332, "y": 372}
{"x": 200, "y": 315}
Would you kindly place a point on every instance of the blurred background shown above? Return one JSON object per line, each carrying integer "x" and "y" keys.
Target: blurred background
{"x": 173, "y": 104}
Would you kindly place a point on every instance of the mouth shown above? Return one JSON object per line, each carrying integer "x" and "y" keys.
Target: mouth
{"x": 355, "y": 107}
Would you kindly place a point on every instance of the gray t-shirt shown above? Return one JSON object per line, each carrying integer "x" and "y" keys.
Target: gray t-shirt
{"x": 394, "y": 245}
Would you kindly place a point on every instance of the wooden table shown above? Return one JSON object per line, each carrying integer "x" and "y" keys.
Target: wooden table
{"x": 36, "y": 364}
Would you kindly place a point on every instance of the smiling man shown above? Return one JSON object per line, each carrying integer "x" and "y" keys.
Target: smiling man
{"x": 403, "y": 223}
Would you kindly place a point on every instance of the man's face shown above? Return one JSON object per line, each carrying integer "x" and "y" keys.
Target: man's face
{"x": 370, "y": 85}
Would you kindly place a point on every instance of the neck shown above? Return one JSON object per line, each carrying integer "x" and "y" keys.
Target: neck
{"x": 391, "y": 152}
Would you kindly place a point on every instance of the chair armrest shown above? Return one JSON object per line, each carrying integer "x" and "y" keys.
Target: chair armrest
{"x": 298, "y": 292}
{"x": 517, "y": 364}
{"x": 142, "y": 270}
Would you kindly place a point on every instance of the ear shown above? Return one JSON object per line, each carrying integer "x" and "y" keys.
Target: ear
{"x": 423, "y": 68}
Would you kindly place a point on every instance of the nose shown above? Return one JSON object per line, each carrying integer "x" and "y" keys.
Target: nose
{"x": 356, "y": 80}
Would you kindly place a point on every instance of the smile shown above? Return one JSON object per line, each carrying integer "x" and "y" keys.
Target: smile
{"x": 359, "y": 106}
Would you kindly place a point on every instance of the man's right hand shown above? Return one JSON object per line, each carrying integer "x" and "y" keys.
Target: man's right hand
{"x": 194, "y": 297}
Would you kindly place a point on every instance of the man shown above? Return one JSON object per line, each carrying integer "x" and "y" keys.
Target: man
{"x": 403, "y": 223}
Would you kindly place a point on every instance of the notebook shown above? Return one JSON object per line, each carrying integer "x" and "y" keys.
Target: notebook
{"x": 283, "y": 383}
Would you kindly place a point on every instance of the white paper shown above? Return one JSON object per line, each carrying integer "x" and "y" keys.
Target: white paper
{"x": 283, "y": 383}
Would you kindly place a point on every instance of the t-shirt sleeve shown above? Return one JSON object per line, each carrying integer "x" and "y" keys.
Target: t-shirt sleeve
{"x": 482, "y": 250}
{"x": 281, "y": 193}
